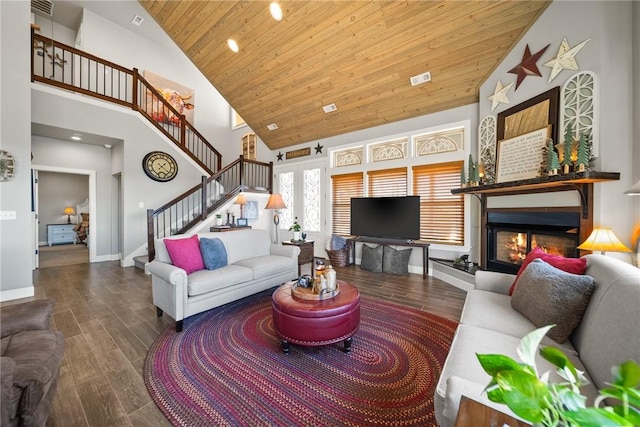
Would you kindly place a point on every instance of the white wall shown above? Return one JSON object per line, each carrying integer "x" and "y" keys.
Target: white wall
{"x": 15, "y": 137}
{"x": 608, "y": 25}
{"x": 636, "y": 126}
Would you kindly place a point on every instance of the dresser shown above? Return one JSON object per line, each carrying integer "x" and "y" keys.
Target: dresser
{"x": 58, "y": 234}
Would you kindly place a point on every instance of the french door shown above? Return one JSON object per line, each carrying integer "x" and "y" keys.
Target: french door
{"x": 302, "y": 190}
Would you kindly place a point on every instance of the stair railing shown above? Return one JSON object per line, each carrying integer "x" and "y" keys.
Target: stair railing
{"x": 196, "y": 204}
{"x": 68, "y": 68}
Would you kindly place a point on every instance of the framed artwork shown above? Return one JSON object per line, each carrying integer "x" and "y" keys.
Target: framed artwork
{"x": 520, "y": 157}
{"x": 251, "y": 210}
{"x": 180, "y": 97}
{"x": 249, "y": 146}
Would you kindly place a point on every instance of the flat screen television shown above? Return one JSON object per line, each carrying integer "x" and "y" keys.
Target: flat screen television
{"x": 386, "y": 217}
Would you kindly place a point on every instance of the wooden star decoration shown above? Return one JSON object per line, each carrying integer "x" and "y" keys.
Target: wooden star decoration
{"x": 499, "y": 95}
{"x": 565, "y": 59}
{"x": 528, "y": 67}
{"x": 319, "y": 148}
{"x": 279, "y": 156}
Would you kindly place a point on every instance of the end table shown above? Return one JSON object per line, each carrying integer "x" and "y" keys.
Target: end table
{"x": 306, "y": 252}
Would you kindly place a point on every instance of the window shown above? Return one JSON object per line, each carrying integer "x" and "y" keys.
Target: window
{"x": 343, "y": 188}
{"x": 387, "y": 183}
{"x": 236, "y": 120}
{"x": 441, "y": 213}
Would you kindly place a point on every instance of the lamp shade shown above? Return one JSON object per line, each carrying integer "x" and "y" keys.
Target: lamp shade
{"x": 634, "y": 190}
{"x": 603, "y": 239}
{"x": 275, "y": 202}
{"x": 69, "y": 211}
{"x": 241, "y": 200}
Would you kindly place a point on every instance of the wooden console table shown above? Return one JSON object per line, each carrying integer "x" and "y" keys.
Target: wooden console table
{"x": 392, "y": 242}
{"x": 231, "y": 228}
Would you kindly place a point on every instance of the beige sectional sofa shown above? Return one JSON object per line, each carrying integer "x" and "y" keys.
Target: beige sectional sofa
{"x": 607, "y": 335}
{"x": 254, "y": 264}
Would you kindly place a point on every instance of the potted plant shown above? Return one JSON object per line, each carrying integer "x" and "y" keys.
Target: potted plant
{"x": 531, "y": 396}
{"x": 295, "y": 227}
{"x": 218, "y": 219}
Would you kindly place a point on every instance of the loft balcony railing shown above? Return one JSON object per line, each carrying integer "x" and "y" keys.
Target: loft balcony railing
{"x": 196, "y": 204}
{"x": 68, "y": 68}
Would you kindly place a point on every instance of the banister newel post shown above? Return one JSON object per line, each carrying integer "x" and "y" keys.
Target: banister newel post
{"x": 134, "y": 90}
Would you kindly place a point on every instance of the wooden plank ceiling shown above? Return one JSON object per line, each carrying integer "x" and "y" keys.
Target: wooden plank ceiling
{"x": 358, "y": 55}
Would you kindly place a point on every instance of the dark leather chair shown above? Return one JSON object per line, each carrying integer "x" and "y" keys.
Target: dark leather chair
{"x": 30, "y": 361}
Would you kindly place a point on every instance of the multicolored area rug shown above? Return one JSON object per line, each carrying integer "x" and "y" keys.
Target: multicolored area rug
{"x": 227, "y": 369}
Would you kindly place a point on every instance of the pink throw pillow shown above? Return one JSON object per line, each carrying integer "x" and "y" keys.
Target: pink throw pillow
{"x": 185, "y": 253}
{"x": 569, "y": 265}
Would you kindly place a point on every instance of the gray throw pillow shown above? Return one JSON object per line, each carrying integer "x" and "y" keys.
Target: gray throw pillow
{"x": 396, "y": 261}
{"x": 214, "y": 254}
{"x": 546, "y": 295}
{"x": 371, "y": 258}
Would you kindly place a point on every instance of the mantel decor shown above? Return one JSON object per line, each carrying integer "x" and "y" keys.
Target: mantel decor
{"x": 520, "y": 157}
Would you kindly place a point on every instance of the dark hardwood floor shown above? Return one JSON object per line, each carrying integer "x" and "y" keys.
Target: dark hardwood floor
{"x": 109, "y": 321}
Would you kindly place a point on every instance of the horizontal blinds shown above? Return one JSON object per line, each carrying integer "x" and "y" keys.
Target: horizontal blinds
{"x": 343, "y": 188}
{"x": 387, "y": 182}
{"x": 441, "y": 213}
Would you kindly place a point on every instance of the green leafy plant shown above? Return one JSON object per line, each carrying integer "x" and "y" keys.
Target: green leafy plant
{"x": 532, "y": 397}
{"x": 295, "y": 226}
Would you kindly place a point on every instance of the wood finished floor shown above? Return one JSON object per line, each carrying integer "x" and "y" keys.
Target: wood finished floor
{"x": 109, "y": 321}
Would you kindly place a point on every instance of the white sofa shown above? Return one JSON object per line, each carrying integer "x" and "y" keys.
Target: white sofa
{"x": 607, "y": 335}
{"x": 254, "y": 264}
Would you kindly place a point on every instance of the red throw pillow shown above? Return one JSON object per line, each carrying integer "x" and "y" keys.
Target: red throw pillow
{"x": 185, "y": 253}
{"x": 570, "y": 265}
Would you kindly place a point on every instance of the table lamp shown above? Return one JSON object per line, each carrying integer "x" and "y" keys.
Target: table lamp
{"x": 68, "y": 212}
{"x": 275, "y": 202}
{"x": 603, "y": 239}
{"x": 241, "y": 200}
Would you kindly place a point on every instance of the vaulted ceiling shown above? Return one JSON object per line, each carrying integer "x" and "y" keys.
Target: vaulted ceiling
{"x": 358, "y": 55}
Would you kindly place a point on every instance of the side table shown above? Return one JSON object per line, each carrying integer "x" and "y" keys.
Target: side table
{"x": 474, "y": 414}
{"x": 306, "y": 252}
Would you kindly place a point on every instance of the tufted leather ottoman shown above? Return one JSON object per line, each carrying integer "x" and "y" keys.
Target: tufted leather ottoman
{"x": 314, "y": 323}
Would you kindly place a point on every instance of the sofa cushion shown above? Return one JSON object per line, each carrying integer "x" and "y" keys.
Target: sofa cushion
{"x": 203, "y": 281}
{"x": 493, "y": 311}
{"x": 570, "y": 265}
{"x": 547, "y": 295}
{"x": 269, "y": 265}
{"x": 396, "y": 261}
{"x": 372, "y": 258}
{"x": 213, "y": 253}
{"x": 185, "y": 253}
{"x": 245, "y": 244}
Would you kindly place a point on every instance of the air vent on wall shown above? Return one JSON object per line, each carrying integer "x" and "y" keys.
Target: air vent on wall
{"x": 42, "y": 7}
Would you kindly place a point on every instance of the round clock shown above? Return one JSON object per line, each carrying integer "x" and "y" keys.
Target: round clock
{"x": 160, "y": 166}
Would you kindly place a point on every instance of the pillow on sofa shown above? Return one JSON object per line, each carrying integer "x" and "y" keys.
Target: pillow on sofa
{"x": 396, "y": 261}
{"x": 547, "y": 295}
{"x": 185, "y": 253}
{"x": 570, "y": 265}
{"x": 371, "y": 258}
{"x": 214, "y": 254}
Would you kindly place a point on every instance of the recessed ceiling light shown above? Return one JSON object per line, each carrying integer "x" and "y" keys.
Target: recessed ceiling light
{"x": 137, "y": 20}
{"x": 107, "y": 146}
{"x": 233, "y": 45}
{"x": 272, "y": 126}
{"x": 276, "y": 11}
{"x": 329, "y": 108}
{"x": 76, "y": 137}
{"x": 420, "y": 78}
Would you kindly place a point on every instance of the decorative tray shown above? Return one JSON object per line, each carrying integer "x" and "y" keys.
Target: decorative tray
{"x": 307, "y": 295}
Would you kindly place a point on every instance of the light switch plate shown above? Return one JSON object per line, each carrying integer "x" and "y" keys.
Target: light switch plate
{"x": 7, "y": 215}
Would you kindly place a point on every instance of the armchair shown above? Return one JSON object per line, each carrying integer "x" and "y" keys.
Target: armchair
{"x": 30, "y": 361}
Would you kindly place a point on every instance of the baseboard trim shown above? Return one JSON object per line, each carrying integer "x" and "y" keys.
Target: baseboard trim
{"x": 454, "y": 281}
{"x": 11, "y": 294}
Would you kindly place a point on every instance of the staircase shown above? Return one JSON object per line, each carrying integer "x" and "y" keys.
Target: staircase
{"x": 65, "y": 67}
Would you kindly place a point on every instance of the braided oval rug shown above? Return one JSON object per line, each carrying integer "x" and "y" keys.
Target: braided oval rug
{"x": 227, "y": 369}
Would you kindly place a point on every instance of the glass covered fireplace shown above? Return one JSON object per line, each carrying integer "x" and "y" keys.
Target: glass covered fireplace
{"x": 511, "y": 235}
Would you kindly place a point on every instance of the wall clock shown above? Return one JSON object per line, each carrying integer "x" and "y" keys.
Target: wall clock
{"x": 6, "y": 165}
{"x": 159, "y": 166}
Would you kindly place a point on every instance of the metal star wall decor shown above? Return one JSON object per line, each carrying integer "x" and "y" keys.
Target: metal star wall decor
{"x": 279, "y": 156}
{"x": 319, "y": 148}
{"x": 565, "y": 59}
{"x": 528, "y": 65}
{"x": 499, "y": 95}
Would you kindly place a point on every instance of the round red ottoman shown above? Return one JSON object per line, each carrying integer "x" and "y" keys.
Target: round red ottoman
{"x": 314, "y": 323}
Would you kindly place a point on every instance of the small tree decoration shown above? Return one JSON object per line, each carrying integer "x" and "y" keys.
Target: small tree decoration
{"x": 463, "y": 177}
{"x": 568, "y": 148}
{"x": 489, "y": 172}
{"x": 552, "y": 159}
{"x": 584, "y": 153}
{"x": 473, "y": 172}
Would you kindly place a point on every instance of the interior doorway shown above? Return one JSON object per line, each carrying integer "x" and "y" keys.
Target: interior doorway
{"x": 67, "y": 253}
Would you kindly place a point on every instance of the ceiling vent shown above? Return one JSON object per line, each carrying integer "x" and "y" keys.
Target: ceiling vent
{"x": 42, "y": 7}
{"x": 137, "y": 20}
{"x": 420, "y": 78}
{"x": 330, "y": 108}
{"x": 272, "y": 126}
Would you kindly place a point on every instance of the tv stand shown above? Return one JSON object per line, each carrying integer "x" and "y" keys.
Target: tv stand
{"x": 393, "y": 242}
